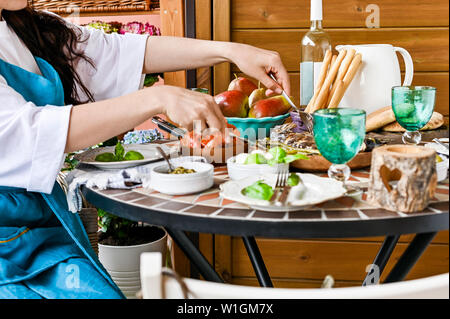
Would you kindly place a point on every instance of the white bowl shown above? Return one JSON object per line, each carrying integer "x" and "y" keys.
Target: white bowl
{"x": 239, "y": 171}
{"x": 182, "y": 184}
{"x": 442, "y": 169}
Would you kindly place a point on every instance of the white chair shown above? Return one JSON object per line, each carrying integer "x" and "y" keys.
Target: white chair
{"x": 162, "y": 283}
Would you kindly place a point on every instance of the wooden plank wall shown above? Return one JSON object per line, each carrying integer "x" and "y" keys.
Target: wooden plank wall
{"x": 172, "y": 23}
{"x": 419, "y": 26}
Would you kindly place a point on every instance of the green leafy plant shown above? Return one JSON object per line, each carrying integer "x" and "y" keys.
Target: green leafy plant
{"x": 70, "y": 162}
{"x": 114, "y": 226}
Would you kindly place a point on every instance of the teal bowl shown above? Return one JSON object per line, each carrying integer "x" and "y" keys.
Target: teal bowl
{"x": 252, "y": 128}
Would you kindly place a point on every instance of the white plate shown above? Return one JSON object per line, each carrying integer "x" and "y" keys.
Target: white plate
{"x": 149, "y": 152}
{"x": 300, "y": 196}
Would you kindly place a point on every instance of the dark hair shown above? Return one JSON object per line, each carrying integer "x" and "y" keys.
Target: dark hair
{"x": 48, "y": 37}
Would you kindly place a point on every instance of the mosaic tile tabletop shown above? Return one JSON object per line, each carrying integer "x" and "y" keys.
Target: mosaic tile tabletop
{"x": 209, "y": 204}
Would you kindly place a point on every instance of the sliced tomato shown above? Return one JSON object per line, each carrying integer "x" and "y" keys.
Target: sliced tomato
{"x": 212, "y": 140}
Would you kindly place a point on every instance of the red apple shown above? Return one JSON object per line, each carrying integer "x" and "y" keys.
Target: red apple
{"x": 233, "y": 103}
{"x": 272, "y": 106}
{"x": 242, "y": 84}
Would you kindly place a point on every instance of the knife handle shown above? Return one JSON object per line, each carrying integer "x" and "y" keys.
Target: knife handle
{"x": 168, "y": 127}
{"x": 284, "y": 195}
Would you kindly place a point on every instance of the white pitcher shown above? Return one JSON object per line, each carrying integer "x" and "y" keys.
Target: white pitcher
{"x": 379, "y": 72}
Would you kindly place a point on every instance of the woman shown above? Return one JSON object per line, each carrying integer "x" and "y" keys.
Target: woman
{"x": 64, "y": 88}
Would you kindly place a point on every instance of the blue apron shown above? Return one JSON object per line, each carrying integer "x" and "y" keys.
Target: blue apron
{"x": 44, "y": 248}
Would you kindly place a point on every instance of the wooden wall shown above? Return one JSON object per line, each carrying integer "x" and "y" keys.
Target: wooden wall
{"x": 419, "y": 26}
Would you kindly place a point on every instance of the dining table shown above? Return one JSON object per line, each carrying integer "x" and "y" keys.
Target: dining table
{"x": 344, "y": 217}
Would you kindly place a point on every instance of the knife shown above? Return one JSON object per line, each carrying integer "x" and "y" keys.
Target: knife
{"x": 306, "y": 118}
{"x": 282, "y": 200}
{"x": 179, "y": 132}
{"x": 168, "y": 127}
{"x": 256, "y": 143}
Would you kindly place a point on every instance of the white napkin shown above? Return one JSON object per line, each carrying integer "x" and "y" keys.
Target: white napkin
{"x": 128, "y": 178}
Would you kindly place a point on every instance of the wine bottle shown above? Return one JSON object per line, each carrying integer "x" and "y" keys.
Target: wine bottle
{"x": 314, "y": 45}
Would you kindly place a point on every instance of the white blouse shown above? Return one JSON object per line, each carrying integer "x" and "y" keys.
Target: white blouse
{"x": 33, "y": 139}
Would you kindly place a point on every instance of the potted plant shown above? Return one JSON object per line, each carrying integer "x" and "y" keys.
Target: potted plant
{"x": 120, "y": 245}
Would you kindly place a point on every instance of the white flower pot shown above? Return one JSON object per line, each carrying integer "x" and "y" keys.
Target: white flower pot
{"x": 127, "y": 258}
{"x": 123, "y": 262}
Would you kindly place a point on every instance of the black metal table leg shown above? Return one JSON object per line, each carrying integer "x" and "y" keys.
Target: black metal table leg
{"x": 381, "y": 260}
{"x": 409, "y": 258}
{"x": 257, "y": 261}
{"x": 194, "y": 255}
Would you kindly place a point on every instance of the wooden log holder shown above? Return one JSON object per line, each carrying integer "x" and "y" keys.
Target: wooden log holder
{"x": 402, "y": 177}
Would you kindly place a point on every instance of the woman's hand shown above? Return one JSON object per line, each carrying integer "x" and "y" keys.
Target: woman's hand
{"x": 184, "y": 107}
{"x": 258, "y": 63}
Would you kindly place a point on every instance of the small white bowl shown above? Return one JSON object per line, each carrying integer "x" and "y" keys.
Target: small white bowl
{"x": 182, "y": 184}
{"x": 239, "y": 171}
{"x": 442, "y": 169}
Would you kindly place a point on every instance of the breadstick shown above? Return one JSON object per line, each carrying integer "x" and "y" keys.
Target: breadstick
{"x": 322, "y": 75}
{"x": 336, "y": 97}
{"x": 342, "y": 85}
{"x": 342, "y": 71}
{"x": 323, "y": 94}
{"x": 352, "y": 69}
{"x": 333, "y": 59}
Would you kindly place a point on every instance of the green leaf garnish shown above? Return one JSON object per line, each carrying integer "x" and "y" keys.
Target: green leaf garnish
{"x": 119, "y": 151}
{"x": 258, "y": 190}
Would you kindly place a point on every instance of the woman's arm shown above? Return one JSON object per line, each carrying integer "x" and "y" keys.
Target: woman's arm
{"x": 93, "y": 123}
{"x": 166, "y": 54}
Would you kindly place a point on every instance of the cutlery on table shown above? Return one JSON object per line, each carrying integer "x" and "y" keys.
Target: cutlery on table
{"x": 164, "y": 155}
{"x": 306, "y": 118}
{"x": 286, "y": 190}
{"x": 280, "y": 186}
{"x": 179, "y": 132}
{"x": 256, "y": 143}
{"x": 168, "y": 127}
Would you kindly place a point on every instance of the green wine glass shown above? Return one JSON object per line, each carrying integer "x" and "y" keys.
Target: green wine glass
{"x": 413, "y": 107}
{"x": 339, "y": 134}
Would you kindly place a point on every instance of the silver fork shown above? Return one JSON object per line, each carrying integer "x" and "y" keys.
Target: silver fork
{"x": 285, "y": 188}
{"x": 280, "y": 184}
{"x": 277, "y": 189}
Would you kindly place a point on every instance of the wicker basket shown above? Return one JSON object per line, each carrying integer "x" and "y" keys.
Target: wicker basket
{"x": 94, "y": 6}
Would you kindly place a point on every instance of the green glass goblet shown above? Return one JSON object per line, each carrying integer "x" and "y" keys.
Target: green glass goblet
{"x": 413, "y": 107}
{"x": 339, "y": 134}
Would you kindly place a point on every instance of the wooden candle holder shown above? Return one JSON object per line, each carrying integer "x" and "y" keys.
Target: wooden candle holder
{"x": 402, "y": 177}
